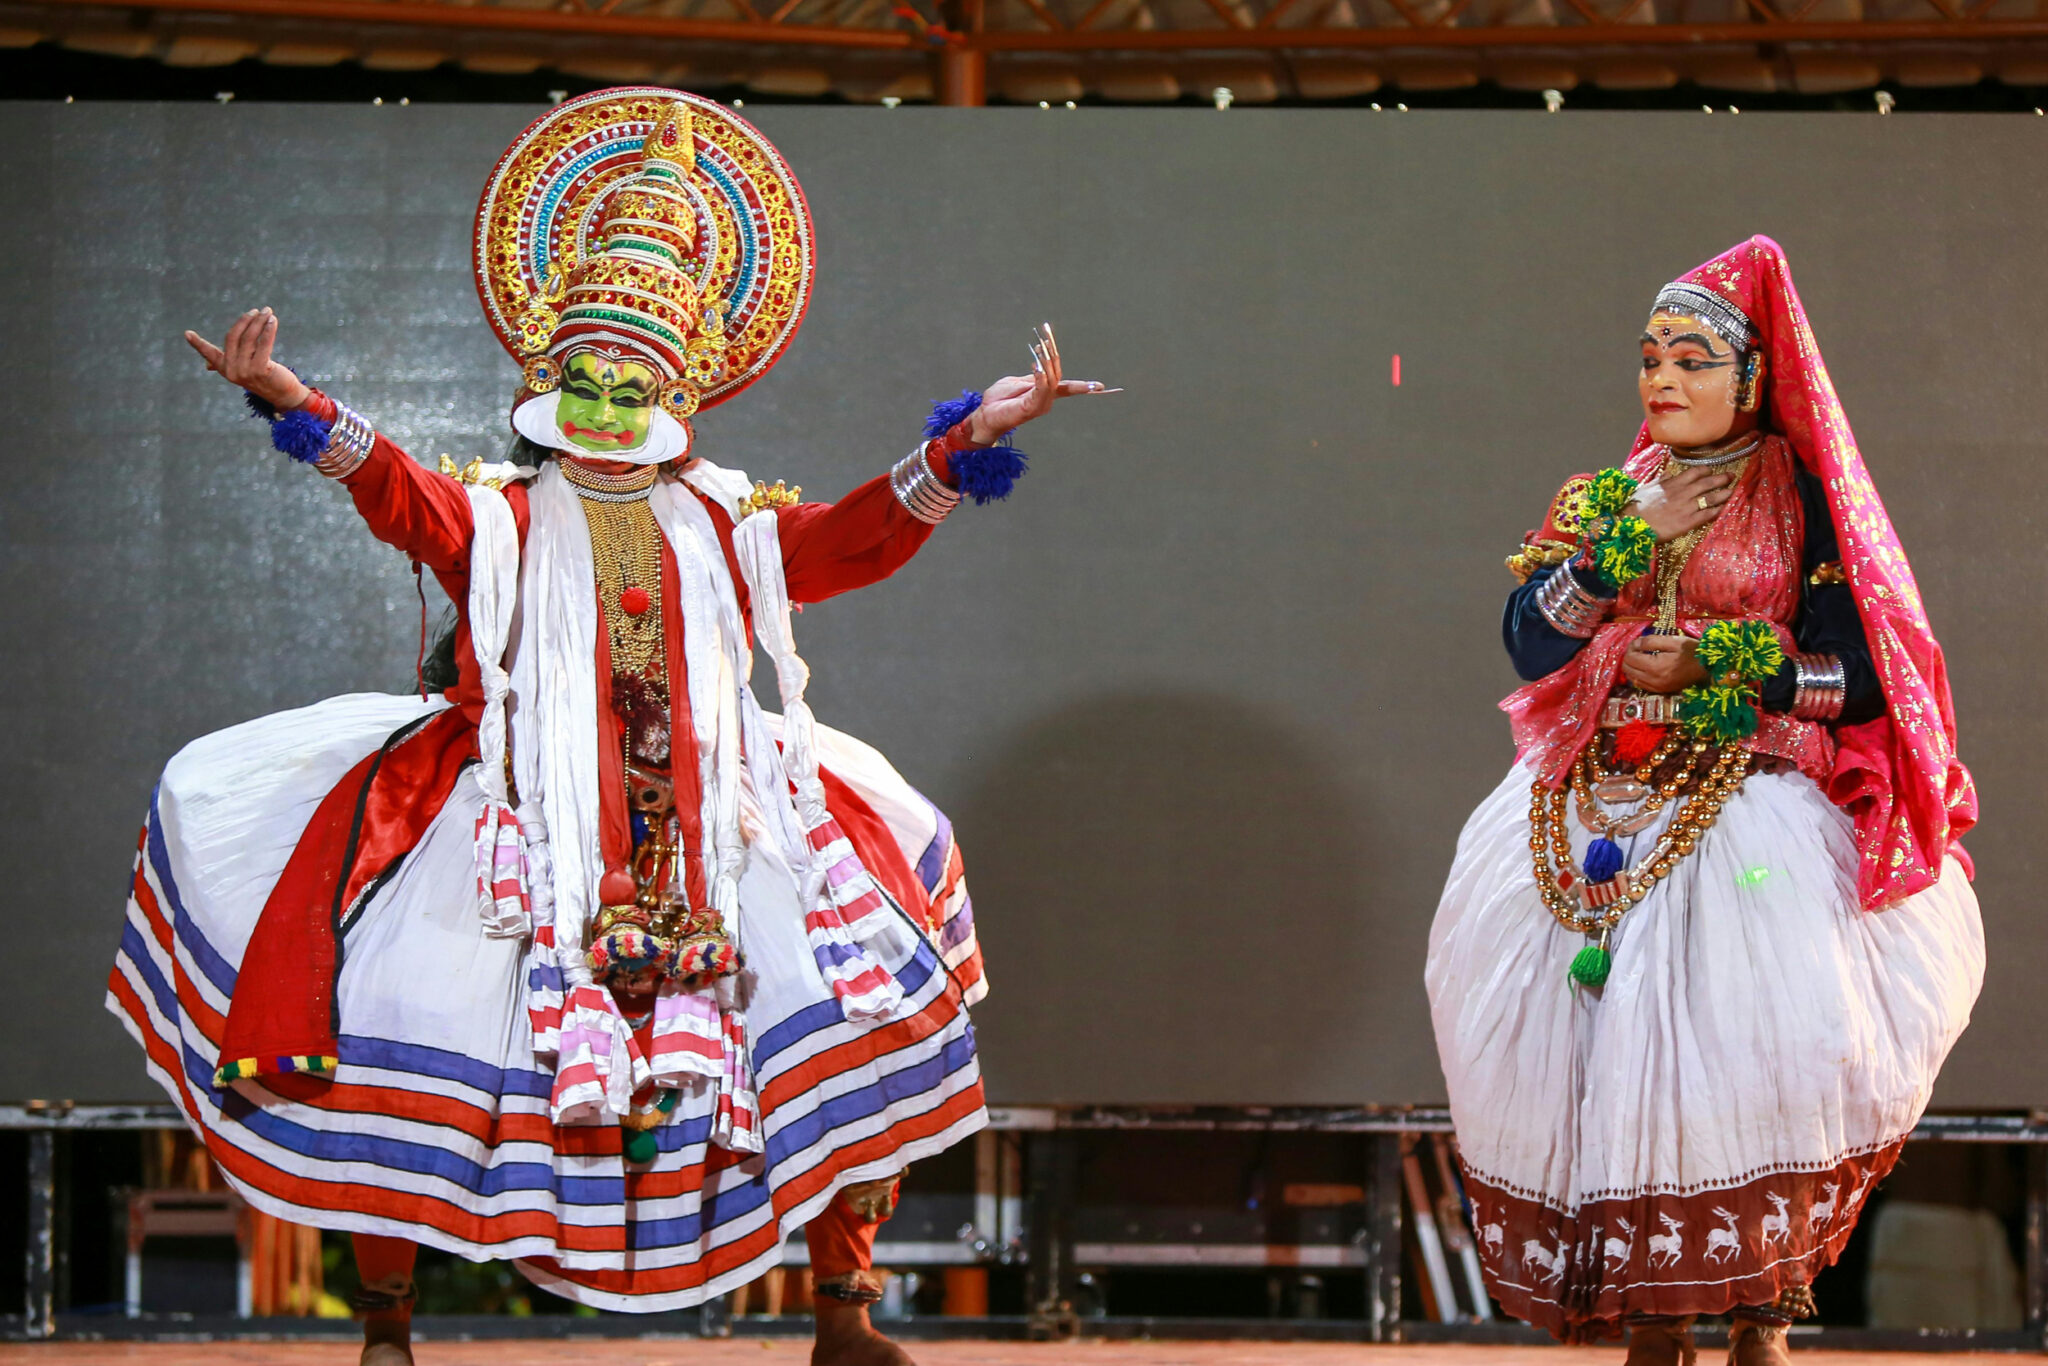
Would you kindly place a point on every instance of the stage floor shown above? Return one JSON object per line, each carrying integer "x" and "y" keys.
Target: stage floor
{"x": 791, "y": 1352}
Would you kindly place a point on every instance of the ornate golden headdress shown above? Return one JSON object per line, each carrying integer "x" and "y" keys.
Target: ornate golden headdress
{"x": 648, "y": 225}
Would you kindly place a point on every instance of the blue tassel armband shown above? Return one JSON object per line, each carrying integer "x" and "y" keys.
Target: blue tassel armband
{"x": 336, "y": 449}
{"x": 984, "y": 473}
{"x": 299, "y": 435}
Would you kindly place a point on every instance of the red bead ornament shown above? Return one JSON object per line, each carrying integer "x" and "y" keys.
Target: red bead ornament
{"x": 616, "y": 888}
{"x": 635, "y": 600}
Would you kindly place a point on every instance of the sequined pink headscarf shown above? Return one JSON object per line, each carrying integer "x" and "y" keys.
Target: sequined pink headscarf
{"x": 1898, "y": 776}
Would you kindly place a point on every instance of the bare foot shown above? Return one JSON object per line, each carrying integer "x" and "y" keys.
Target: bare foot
{"x": 1757, "y": 1344}
{"x": 1661, "y": 1344}
{"x": 386, "y": 1354}
{"x": 846, "y": 1338}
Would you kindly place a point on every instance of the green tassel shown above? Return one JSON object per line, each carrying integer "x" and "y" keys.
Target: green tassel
{"x": 1589, "y": 968}
{"x": 1624, "y": 550}
{"x": 1607, "y": 493}
{"x": 1720, "y": 713}
{"x": 640, "y": 1145}
{"x": 1740, "y": 651}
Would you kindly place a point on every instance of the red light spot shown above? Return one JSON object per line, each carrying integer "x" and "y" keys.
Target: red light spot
{"x": 1397, "y": 369}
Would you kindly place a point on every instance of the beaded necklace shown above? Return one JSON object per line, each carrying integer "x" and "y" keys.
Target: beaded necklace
{"x": 625, "y": 546}
{"x": 1595, "y": 907}
{"x": 1672, "y": 558}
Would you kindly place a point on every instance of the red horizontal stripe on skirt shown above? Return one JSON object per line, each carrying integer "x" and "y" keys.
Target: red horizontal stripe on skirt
{"x": 161, "y": 1051}
{"x": 859, "y": 1052}
{"x": 717, "y": 1261}
{"x": 473, "y": 1121}
{"x": 190, "y": 1001}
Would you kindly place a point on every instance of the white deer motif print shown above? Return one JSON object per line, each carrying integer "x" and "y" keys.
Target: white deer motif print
{"x": 1775, "y": 1228}
{"x": 1667, "y": 1247}
{"x": 1615, "y": 1250}
{"x": 1822, "y": 1212}
{"x": 1723, "y": 1243}
{"x": 1492, "y": 1238}
{"x": 1855, "y": 1200}
{"x": 1534, "y": 1254}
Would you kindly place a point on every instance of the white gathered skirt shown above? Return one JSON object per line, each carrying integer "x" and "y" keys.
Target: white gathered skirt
{"x": 1700, "y": 1132}
{"x": 436, "y": 1124}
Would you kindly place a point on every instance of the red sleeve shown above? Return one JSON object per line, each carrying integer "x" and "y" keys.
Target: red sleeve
{"x": 832, "y": 548}
{"x": 420, "y": 511}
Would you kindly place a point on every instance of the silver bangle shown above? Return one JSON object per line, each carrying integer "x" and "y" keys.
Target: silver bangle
{"x": 348, "y": 443}
{"x": 921, "y": 492}
{"x": 1821, "y": 686}
{"x": 1568, "y": 606}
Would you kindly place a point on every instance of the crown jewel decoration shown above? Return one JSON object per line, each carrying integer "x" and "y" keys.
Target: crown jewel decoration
{"x": 645, "y": 224}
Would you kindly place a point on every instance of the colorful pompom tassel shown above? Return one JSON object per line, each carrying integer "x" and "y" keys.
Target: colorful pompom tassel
{"x": 1636, "y": 742}
{"x": 1589, "y": 967}
{"x": 640, "y": 1146}
{"x": 1603, "y": 859}
{"x": 300, "y": 435}
{"x": 989, "y": 473}
{"x": 948, "y": 411}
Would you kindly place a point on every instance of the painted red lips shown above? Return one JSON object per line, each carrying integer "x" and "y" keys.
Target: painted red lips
{"x": 574, "y": 432}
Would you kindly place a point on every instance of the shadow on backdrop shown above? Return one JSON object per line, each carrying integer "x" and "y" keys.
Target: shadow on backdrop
{"x": 1240, "y": 882}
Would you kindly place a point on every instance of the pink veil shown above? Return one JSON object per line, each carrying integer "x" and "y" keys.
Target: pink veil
{"x": 1898, "y": 776}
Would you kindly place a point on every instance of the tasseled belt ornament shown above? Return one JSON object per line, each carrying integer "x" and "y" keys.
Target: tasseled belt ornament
{"x": 1693, "y": 747}
{"x": 1592, "y": 899}
{"x": 657, "y": 934}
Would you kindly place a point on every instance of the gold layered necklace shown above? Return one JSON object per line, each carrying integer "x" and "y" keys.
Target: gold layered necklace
{"x": 1672, "y": 558}
{"x": 625, "y": 546}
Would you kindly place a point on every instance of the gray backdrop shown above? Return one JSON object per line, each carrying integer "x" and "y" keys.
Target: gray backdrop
{"x": 1210, "y": 698}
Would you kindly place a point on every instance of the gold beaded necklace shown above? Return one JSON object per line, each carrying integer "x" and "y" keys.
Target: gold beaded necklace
{"x": 625, "y": 546}
{"x": 1596, "y": 908}
{"x": 1672, "y": 558}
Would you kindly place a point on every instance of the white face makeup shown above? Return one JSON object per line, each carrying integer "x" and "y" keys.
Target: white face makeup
{"x": 538, "y": 420}
{"x": 1689, "y": 382}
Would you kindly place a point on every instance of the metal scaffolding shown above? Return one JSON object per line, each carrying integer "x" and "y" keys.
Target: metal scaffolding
{"x": 966, "y": 51}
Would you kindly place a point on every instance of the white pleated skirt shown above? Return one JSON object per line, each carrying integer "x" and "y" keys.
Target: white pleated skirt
{"x": 1700, "y": 1132}
{"x": 436, "y": 1125}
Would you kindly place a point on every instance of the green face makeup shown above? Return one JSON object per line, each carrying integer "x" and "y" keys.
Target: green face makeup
{"x": 606, "y": 405}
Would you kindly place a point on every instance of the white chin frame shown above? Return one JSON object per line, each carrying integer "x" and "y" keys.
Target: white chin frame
{"x": 667, "y": 439}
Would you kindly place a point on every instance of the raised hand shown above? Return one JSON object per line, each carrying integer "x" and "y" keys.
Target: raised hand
{"x": 1014, "y": 400}
{"x": 243, "y": 360}
{"x": 1686, "y": 497}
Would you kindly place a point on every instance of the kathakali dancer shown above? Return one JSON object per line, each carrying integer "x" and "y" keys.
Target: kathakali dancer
{"x": 1702, "y": 953}
{"x": 589, "y": 962}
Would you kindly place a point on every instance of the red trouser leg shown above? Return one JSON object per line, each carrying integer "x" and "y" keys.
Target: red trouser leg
{"x": 842, "y": 1241}
{"x": 384, "y": 1271}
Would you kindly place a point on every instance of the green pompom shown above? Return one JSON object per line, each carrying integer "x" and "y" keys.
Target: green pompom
{"x": 1607, "y": 494}
{"x": 1625, "y": 551}
{"x": 1719, "y": 712}
{"x": 1589, "y": 967}
{"x": 1732, "y": 651}
{"x": 640, "y": 1145}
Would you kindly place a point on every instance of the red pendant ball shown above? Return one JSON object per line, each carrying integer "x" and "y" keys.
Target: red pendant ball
{"x": 1635, "y": 742}
{"x": 616, "y": 888}
{"x": 635, "y": 600}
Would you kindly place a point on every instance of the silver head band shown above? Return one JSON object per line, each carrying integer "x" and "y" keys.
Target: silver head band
{"x": 1716, "y": 312}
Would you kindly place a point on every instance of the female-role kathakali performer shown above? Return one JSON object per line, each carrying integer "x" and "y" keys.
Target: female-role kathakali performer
{"x": 590, "y": 962}
{"x": 1702, "y": 953}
